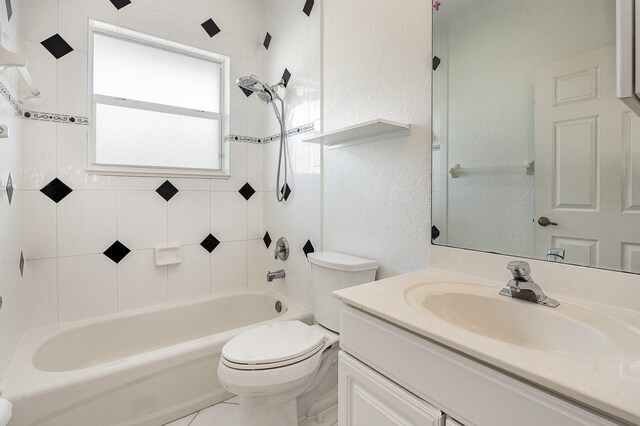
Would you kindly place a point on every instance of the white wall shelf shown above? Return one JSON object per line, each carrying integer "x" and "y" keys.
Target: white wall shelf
{"x": 370, "y": 131}
{"x": 9, "y": 59}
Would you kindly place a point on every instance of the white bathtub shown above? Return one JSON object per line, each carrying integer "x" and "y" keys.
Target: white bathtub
{"x": 144, "y": 368}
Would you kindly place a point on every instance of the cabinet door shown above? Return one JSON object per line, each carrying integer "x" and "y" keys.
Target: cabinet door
{"x": 369, "y": 399}
{"x": 450, "y": 422}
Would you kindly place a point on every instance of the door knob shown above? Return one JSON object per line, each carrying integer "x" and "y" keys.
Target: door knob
{"x": 544, "y": 221}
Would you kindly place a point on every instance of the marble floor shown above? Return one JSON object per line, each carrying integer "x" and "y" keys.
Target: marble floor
{"x": 224, "y": 414}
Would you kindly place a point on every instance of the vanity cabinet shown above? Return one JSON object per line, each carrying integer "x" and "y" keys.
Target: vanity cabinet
{"x": 369, "y": 398}
{"x": 390, "y": 376}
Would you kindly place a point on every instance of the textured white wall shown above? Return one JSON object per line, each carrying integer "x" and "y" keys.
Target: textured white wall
{"x": 377, "y": 64}
{"x": 12, "y": 291}
{"x": 493, "y": 52}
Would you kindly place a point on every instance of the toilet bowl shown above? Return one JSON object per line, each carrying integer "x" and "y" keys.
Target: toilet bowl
{"x": 287, "y": 371}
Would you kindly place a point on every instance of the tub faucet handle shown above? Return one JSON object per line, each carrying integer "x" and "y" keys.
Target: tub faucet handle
{"x": 282, "y": 249}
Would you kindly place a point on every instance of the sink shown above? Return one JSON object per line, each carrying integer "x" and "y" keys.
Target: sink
{"x": 567, "y": 329}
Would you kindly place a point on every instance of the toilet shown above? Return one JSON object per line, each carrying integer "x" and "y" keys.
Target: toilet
{"x": 287, "y": 371}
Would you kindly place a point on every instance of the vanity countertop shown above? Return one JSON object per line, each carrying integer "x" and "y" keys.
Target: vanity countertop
{"x": 608, "y": 382}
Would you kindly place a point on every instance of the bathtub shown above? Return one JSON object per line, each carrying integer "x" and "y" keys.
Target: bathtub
{"x": 147, "y": 367}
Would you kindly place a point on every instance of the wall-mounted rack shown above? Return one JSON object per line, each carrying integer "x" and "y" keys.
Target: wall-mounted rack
{"x": 10, "y": 59}
{"x": 370, "y": 131}
{"x": 527, "y": 168}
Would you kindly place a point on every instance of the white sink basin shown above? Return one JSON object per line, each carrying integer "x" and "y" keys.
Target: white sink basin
{"x": 567, "y": 329}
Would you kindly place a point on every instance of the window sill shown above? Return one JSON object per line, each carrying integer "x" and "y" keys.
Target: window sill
{"x": 150, "y": 172}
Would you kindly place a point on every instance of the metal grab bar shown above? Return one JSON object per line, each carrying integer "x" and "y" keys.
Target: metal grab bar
{"x": 457, "y": 170}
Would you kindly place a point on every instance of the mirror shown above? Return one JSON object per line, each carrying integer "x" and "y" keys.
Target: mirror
{"x": 532, "y": 150}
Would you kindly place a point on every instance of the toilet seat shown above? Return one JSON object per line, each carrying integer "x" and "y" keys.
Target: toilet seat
{"x": 273, "y": 346}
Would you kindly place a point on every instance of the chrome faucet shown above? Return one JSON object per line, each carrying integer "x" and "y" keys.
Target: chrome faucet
{"x": 523, "y": 287}
{"x": 275, "y": 275}
{"x": 555, "y": 254}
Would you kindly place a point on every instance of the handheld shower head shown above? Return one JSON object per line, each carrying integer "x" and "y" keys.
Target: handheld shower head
{"x": 269, "y": 94}
{"x": 247, "y": 82}
{"x": 265, "y": 92}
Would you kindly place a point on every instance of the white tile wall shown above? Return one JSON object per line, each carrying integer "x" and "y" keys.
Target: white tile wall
{"x": 228, "y": 216}
{"x": 41, "y": 277}
{"x": 192, "y": 278}
{"x": 72, "y": 84}
{"x": 12, "y": 289}
{"x": 142, "y": 219}
{"x": 87, "y": 287}
{"x": 140, "y": 282}
{"x": 229, "y": 267}
{"x": 189, "y": 217}
{"x": 12, "y": 285}
{"x": 73, "y": 16}
{"x": 299, "y": 218}
{"x": 42, "y": 18}
{"x": 68, "y": 276}
{"x": 145, "y": 20}
{"x": 86, "y": 222}
{"x": 41, "y": 239}
{"x": 39, "y": 148}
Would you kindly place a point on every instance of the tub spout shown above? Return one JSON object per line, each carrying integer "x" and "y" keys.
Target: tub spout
{"x": 275, "y": 275}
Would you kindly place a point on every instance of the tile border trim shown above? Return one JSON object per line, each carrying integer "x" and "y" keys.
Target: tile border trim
{"x": 310, "y": 127}
{"x": 56, "y": 118}
{"x": 84, "y": 121}
{"x": 13, "y": 102}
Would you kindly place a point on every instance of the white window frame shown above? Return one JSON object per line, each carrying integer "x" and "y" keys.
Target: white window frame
{"x": 97, "y": 27}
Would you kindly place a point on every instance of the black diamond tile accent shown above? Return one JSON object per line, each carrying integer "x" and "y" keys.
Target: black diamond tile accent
{"x": 9, "y": 188}
{"x": 308, "y": 248}
{"x": 57, "y": 46}
{"x": 119, "y": 4}
{"x": 285, "y": 191}
{"x": 21, "y": 264}
{"x": 436, "y": 62}
{"x": 56, "y": 190}
{"x": 247, "y": 92}
{"x": 167, "y": 190}
{"x": 9, "y": 10}
{"x": 267, "y": 41}
{"x": 267, "y": 239}
{"x": 308, "y": 7}
{"x": 210, "y": 243}
{"x": 117, "y": 251}
{"x": 210, "y": 27}
{"x": 435, "y": 233}
{"x": 285, "y": 77}
{"x": 247, "y": 191}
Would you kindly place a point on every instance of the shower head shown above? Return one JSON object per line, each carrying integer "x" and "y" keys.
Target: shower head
{"x": 247, "y": 82}
{"x": 265, "y": 92}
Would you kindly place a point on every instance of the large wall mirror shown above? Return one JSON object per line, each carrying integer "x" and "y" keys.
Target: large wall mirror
{"x": 533, "y": 153}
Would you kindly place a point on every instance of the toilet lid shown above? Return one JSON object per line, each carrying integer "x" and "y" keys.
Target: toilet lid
{"x": 273, "y": 344}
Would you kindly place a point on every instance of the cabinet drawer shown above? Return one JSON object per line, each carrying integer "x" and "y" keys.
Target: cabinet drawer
{"x": 367, "y": 398}
{"x": 469, "y": 391}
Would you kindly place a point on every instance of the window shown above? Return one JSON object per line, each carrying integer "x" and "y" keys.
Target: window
{"x": 157, "y": 107}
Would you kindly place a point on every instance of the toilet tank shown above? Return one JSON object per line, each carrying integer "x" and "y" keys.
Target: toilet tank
{"x": 331, "y": 271}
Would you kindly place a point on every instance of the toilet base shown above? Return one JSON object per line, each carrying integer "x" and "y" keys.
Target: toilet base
{"x": 268, "y": 411}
